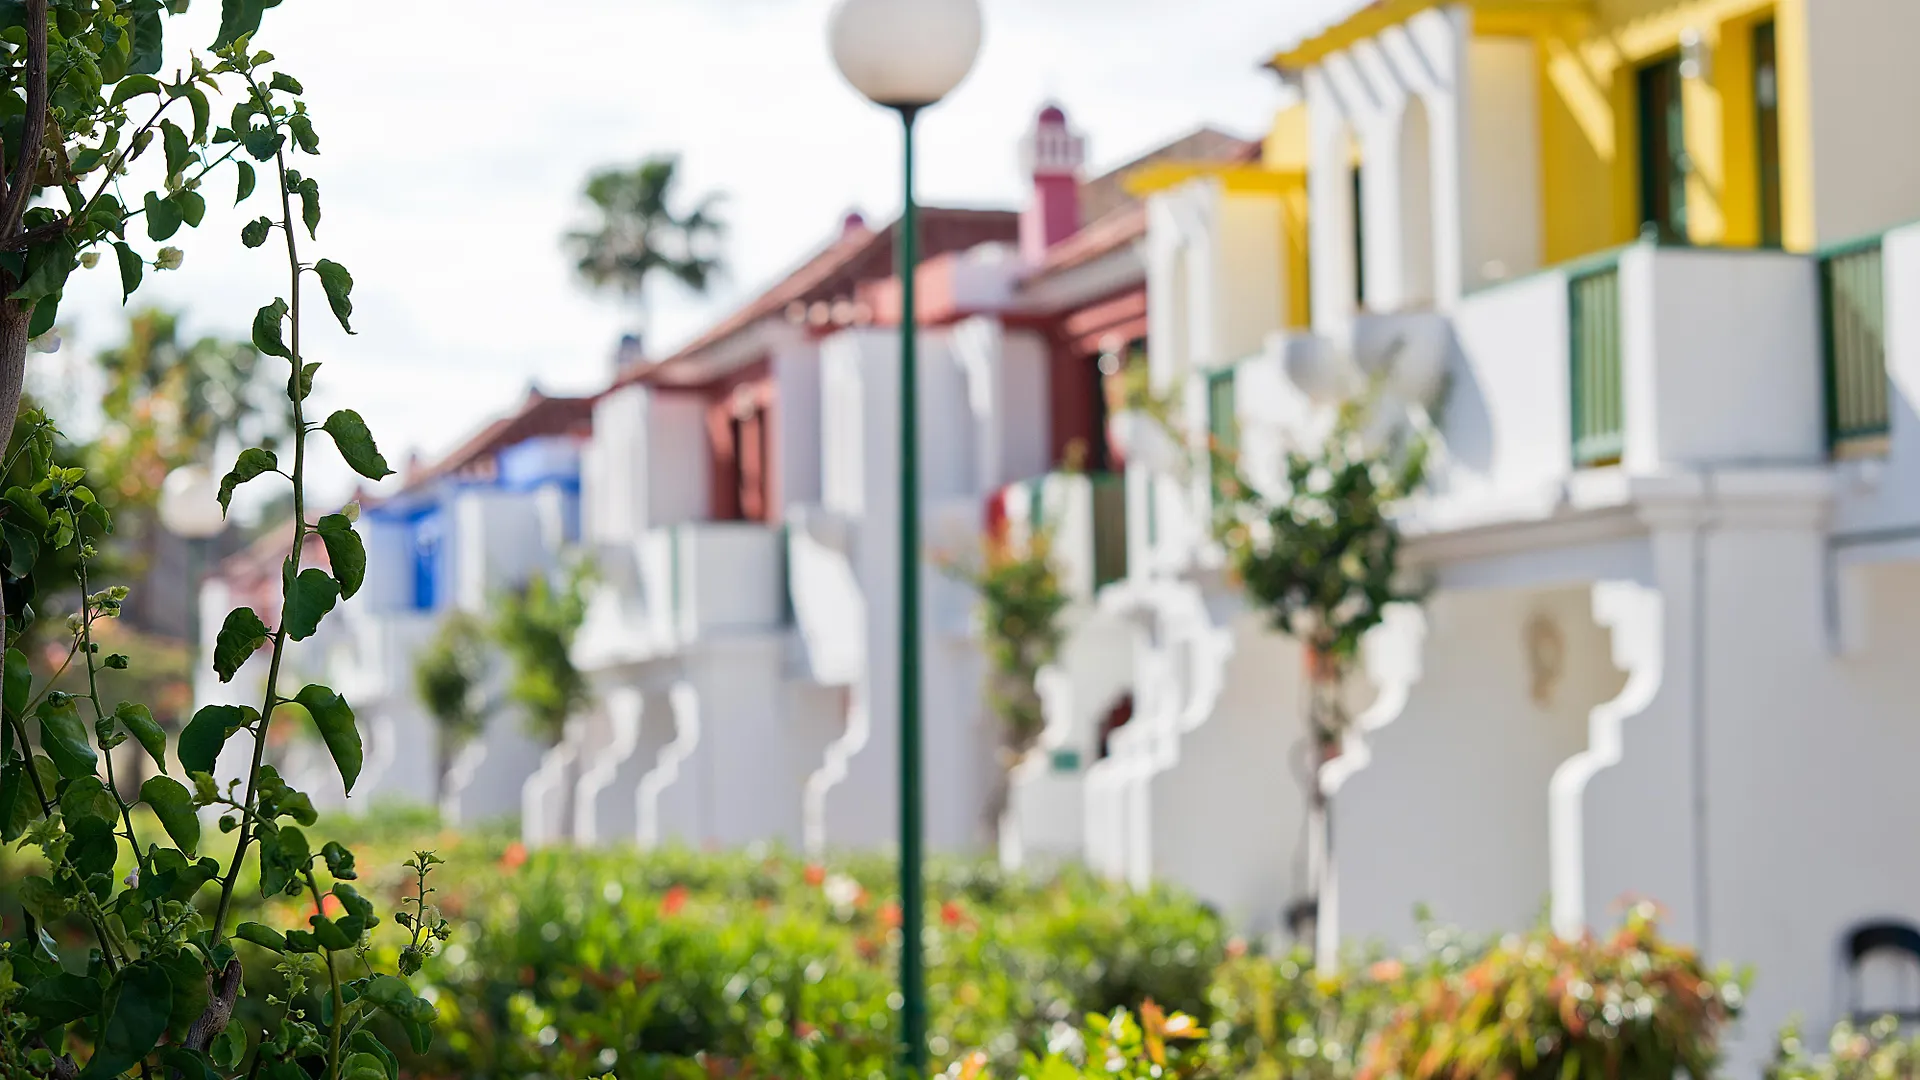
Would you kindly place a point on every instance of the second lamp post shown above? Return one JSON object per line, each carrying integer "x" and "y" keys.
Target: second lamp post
{"x": 907, "y": 55}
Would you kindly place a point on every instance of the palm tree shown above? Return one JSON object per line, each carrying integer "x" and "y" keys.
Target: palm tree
{"x": 638, "y": 237}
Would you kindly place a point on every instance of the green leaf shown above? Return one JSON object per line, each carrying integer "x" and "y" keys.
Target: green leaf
{"x": 174, "y": 141}
{"x": 287, "y": 84}
{"x": 16, "y": 686}
{"x": 192, "y": 206}
{"x": 132, "y": 269}
{"x": 238, "y": 18}
{"x": 254, "y": 233}
{"x": 338, "y": 284}
{"x": 149, "y": 38}
{"x": 345, "y": 553}
{"x": 64, "y": 737}
{"x": 334, "y": 718}
{"x": 190, "y": 994}
{"x": 137, "y": 1010}
{"x": 208, "y": 732}
{"x": 264, "y": 936}
{"x": 163, "y": 217}
{"x": 202, "y": 112}
{"x": 45, "y": 314}
{"x": 252, "y": 462}
{"x": 283, "y": 858}
{"x": 133, "y": 86}
{"x": 303, "y": 388}
{"x": 63, "y": 999}
{"x": 310, "y": 205}
{"x": 173, "y": 804}
{"x": 356, "y": 444}
{"x": 303, "y": 136}
{"x": 247, "y": 180}
{"x": 266, "y": 330}
{"x": 240, "y": 637}
{"x": 139, "y": 722}
{"x": 309, "y": 597}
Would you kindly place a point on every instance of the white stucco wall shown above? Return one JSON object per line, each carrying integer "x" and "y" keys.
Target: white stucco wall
{"x": 1023, "y": 408}
{"x": 1861, "y": 59}
{"x": 1506, "y": 420}
{"x": 1228, "y": 818}
{"x": 679, "y": 484}
{"x": 1451, "y": 812}
{"x": 796, "y": 378}
{"x": 1720, "y": 358}
{"x": 613, "y": 482}
{"x": 498, "y": 542}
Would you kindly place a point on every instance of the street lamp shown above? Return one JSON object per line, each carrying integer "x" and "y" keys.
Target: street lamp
{"x": 190, "y": 509}
{"x": 906, "y": 55}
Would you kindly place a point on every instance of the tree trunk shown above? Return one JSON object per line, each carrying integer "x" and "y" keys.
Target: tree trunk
{"x": 14, "y": 317}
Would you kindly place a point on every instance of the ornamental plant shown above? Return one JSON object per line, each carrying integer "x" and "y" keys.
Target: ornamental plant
{"x": 1877, "y": 1051}
{"x": 1022, "y": 601}
{"x": 159, "y": 984}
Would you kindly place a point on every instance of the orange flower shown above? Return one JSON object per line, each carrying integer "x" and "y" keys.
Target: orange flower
{"x": 890, "y": 915}
{"x": 674, "y": 900}
{"x": 1386, "y": 971}
{"x": 514, "y": 857}
{"x": 330, "y": 906}
{"x": 1236, "y": 948}
{"x": 816, "y": 875}
{"x": 952, "y": 914}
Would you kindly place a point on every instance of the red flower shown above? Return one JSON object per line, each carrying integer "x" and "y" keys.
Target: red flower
{"x": 675, "y": 899}
{"x": 951, "y": 913}
{"x": 890, "y": 915}
{"x": 805, "y": 1030}
{"x": 1236, "y": 948}
{"x": 514, "y": 857}
{"x": 816, "y": 875}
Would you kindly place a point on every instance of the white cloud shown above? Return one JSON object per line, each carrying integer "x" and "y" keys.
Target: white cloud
{"x": 455, "y": 135}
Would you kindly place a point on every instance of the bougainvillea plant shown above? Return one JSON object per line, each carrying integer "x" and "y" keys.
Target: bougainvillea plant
{"x": 159, "y": 986}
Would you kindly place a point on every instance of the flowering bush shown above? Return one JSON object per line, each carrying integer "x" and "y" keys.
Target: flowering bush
{"x": 1877, "y": 1052}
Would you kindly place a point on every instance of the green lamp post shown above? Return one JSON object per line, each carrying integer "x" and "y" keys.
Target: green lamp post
{"x": 906, "y": 55}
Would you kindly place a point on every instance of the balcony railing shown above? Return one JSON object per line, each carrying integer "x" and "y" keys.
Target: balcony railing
{"x": 1853, "y": 318}
{"x": 1599, "y": 423}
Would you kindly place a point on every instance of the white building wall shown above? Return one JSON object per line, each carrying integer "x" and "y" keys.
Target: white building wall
{"x": 1880, "y": 496}
{"x": 1720, "y": 358}
{"x": 1860, "y": 61}
{"x": 796, "y": 381}
{"x": 1505, "y": 424}
{"x": 1451, "y": 810}
{"x": 679, "y": 482}
{"x": 614, "y": 472}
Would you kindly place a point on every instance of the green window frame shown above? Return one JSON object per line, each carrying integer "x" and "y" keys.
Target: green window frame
{"x": 1853, "y": 322}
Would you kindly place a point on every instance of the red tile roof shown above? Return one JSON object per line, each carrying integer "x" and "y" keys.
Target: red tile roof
{"x": 859, "y": 254}
{"x": 538, "y": 416}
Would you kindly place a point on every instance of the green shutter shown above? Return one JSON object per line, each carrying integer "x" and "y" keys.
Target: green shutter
{"x": 1599, "y": 429}
{"x": 1109, "y": 529}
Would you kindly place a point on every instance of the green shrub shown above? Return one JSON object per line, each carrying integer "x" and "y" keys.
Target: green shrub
{"x": 1876, "y": 1053}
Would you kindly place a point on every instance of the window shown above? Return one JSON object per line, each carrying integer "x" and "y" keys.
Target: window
{"x": 1663, "y": 152}
{"x": 1766, "y": 110}
{"x": 1223, "y": 426}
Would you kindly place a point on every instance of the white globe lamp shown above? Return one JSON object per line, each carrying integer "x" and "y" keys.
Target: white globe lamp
{"x": 904, "y": 54}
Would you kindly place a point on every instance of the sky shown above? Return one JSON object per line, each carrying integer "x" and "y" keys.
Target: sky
{"x": 456, "y": 134}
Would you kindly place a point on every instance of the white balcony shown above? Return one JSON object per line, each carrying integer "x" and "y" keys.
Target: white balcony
{"x": 682, "y": 584}
{"x": 1653, "y": 359}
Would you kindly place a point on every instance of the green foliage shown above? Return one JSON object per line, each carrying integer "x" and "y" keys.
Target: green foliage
{"x": 1322, "y": 555}
{"x": 1530, "y": 1007}
{"x": 535, "y": 625}
{"x": 146, "y": 976}
{"x": 1021, "y": 602}
{"x": 447, "y": 677}
{"x": 1877, "y": 1052}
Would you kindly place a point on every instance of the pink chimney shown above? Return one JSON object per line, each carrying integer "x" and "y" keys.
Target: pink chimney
{"x": 1052, "y": 154}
